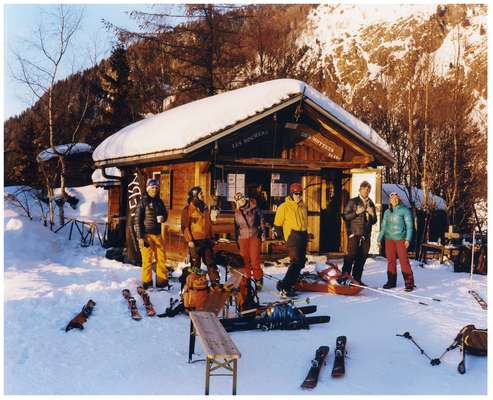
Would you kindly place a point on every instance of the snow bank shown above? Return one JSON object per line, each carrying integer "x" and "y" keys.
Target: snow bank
{"x": 92, "y": 205}
{"x": 182, "y": 126}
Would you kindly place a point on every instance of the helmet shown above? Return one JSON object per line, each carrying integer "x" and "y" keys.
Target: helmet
{"x": 194, "y": 192}
{"x": 295, "y": 188}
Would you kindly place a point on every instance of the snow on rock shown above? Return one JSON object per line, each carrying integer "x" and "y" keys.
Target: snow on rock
{"x": 180, "y": 127}
{"x": 65, "y": 149}
{"x": 47, "y": 280}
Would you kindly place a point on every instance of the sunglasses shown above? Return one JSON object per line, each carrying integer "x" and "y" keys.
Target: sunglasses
{"x": 394, "y": 194}
{"x": 296, "y": 193}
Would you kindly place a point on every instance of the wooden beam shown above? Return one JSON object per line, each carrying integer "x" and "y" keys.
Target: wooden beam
{"x": 288, "y": 164}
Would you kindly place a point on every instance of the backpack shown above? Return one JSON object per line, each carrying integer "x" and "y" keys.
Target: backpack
{"x": 195, "y": 291}
{"x": 475, "y": 341}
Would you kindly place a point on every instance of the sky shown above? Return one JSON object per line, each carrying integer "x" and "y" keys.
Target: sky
{"x": 20, "y": 20}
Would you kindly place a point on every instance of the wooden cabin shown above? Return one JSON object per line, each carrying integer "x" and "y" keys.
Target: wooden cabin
{"x": 257, "y": 140}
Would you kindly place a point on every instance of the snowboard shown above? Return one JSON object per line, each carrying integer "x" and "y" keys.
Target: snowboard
{"x": 479, "y": 299}
{"x": 147, "y": 301}
{"x": 318, "y": 362}
{"x": 263, "y": 323}
{"x": 339, "y": 368}
{"x": 134, "y": 312}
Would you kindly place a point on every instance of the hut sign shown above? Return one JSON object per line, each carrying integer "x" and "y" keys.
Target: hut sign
{"x": 248, "y": 139}
{"x": 319, "y": 142}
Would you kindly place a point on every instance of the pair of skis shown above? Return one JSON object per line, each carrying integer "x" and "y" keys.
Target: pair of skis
{"x": 132, "y": 304}
{"x": 320, "y": 360}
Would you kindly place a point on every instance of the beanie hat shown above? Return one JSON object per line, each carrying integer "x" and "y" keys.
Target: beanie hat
{"x": 152, "y": 182}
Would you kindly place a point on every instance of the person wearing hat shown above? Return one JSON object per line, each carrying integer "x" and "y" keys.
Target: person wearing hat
{"x": 149, "y": 215}
{"x": 249, "y": 231}
{"x": 291, "y": 222}
{"x": 397, "y": 229}
{"x": 196, "y": 226}
{"x": 360, "y": 215}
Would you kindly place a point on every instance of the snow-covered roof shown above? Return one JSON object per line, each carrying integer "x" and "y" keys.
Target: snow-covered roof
{"x": 176, "y": 129}
{"x": 66, "y": 149}
{"x": 418, "y": 196}
{"x": 98, "y": 178}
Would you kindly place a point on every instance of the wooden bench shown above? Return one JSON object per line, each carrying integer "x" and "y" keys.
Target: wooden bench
{"x": 220, "y": 350}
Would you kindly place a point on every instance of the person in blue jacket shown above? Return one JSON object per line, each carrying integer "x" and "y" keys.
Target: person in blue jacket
{"x": 397, "y": 229}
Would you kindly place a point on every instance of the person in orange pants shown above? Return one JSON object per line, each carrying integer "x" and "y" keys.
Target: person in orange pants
{"x": 249, "y": 231}
{"x": 150, "y": 214}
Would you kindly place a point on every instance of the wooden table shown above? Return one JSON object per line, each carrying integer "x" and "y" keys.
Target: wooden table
{"x": 443, "y": 250}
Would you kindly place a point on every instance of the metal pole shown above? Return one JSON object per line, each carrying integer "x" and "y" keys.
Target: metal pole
{"x": 472, "y": 254}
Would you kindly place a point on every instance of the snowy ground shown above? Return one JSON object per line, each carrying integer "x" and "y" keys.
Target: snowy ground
{"x": 47, "y": 279}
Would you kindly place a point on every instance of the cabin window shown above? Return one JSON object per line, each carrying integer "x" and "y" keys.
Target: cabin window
{"x": 266, "y": 187}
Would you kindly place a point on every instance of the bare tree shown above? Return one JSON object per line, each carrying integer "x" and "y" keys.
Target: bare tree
{"x": 50, "y": 45}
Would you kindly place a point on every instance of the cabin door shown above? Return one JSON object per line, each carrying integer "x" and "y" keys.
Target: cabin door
{"x": 330, "y": 211}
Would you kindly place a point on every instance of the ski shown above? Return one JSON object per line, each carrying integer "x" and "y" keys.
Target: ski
{"x": 318, "y": 362}
{"x": 253, "y": 323}
{"x": 134, "y": 312}
{"x": 340, "y": 353}
{"x": 147, "y": 301}
{"x": 479, "y": 299}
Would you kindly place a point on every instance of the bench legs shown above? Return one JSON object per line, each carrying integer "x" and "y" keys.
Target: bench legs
{"x": 191, "y": 343}
{"x": 212, "y": 364}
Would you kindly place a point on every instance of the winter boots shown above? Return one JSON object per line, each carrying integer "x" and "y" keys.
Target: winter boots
{"x": 408, "y": 281}
{"x": 391, "y": 280}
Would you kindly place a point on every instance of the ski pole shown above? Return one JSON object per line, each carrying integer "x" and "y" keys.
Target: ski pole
{"x": 271, "y": 277}
{"x": 433, "y": 361}
{"x": 383, "y": 291}
{"x": 420, "y": 297}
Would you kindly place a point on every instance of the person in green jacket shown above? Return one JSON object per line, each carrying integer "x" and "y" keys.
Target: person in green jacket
{"x": 397, "y": 229}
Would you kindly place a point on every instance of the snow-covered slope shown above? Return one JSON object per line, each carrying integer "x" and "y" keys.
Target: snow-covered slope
{"x": 48, "y": 279}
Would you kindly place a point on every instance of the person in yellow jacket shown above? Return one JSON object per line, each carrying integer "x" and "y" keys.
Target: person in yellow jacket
{"x": 291, "y": 222}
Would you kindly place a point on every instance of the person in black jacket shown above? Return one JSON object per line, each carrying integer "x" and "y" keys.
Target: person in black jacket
{"x": 150, "y": 214}
{"x": 360, "y": 215}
